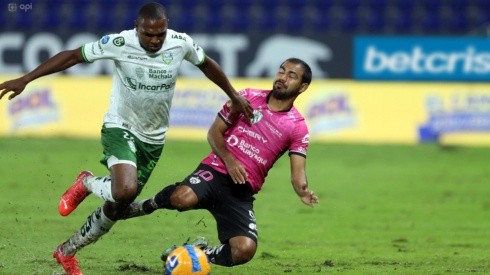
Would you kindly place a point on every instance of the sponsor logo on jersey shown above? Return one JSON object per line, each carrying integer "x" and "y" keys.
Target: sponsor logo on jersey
{"x": 133, "y": 84}
{"x": 247, "y": 149}
{"x": 167, "y": 57}
{"x": 140, "y": 72}
{"x": 306, "y": 139}
{"x": 132, "y": 146}
{"x": 252, "y": 134}
{"x": 160, "y": 87}
{"x": 104, "y": 39}
{"x": 273, "y": 129}
{"x": 136, "y": 57}
{"x": 100, "y": 47}
{"x": 257, "y": 116}
{"x": 194, "y": 180}
{"x": 252, "y": 215}
{"x": 118, "y": 41}
{"x": 178, "y": 36}
{"x": 196, "y": 47}
{"x": 159, "y": 74}
{"x": 259, "y": 93}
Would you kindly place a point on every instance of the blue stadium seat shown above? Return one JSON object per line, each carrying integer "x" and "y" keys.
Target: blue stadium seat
{"x": 83, "y": 4}
{"x": 444, "y": 16}
{"x": 432, "y": 5}
{"x": 78, "y": 20}
{"x": 322, "y": 5}
{"x": 270, "y": 5}
{"x": 484, "y": 5}
{"x": 294, "y": 5}
{"x": 349, "y": 22}
{"x": 134, "y": 5}
{"x": 377, "y": 4}
{"x": 241, "y": 5}
{"x": 458, "y": 23}
{"x": 44, "y": 23}
{"x": 51, "y": 22}
{"x": 403, "y": 23}
{"x": 107, "y": 20}
{"x": 295, "y": 22}
{"x": 351, "y": 5}
{"x": 431, "y": 23}
{"x": 321, "y": 22}
{"x": 106, "y": 5}
{"x": 213, "y": 22}
{"x": 24, "y": 21}
{"x": 49, "y": 4}
{"x": 458, "y": 5}
{"x": 375, "y": 20}
{"x": 215, "y": 5}
{"x": 405, "y": 5}
{"x": 266, "y": 20}
{"x": 484, "y": 21}
{"x": 240, "y": 21}
{"x": 185, "y": 24}
{"x": 4, "y": 18}
{"x": 187, "y": 4}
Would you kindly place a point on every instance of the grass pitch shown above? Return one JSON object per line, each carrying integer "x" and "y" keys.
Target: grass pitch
{"x": 383, "y": 209}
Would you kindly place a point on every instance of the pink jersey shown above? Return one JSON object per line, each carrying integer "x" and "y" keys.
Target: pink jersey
{"x": 259, "y": 145}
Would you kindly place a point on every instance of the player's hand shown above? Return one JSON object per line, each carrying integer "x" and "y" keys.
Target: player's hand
{"x": 309, "y": 198}
{"x": 14, "y": 86}
{"x": 240, "y": 105}
{"x": 236, "y": 171}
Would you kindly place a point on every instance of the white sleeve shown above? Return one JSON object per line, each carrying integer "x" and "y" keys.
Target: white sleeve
{"x": 108, "y": 47}
{"x": 194, "y": 53}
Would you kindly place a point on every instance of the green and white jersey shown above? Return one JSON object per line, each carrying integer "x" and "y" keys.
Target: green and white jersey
{"x": 143, "y": 83}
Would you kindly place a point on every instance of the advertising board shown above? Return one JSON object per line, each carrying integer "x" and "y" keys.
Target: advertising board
{"x": 421, "y": 58}
{"x": 335, "y": 111}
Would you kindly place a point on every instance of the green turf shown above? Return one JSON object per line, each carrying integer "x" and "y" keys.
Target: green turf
{"x": 383, "y": 209}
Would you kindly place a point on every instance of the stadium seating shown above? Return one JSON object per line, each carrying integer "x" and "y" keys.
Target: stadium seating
{"x": 434, "y": 17}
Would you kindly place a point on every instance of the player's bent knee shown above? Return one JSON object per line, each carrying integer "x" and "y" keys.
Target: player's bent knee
{"x": 243, "y": 254}
{"x": 124, "y": 183}
{"x": 125, "y": 195}
{"x": 183, "y": 198}
{"x": 242, "y": 250}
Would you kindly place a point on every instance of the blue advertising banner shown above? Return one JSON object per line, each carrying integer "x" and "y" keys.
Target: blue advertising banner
{"x": 422, "y": 58}
{"x": 240, "y": 55}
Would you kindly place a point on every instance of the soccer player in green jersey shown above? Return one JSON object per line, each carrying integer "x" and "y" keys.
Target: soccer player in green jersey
{"x": 146, "y": 59}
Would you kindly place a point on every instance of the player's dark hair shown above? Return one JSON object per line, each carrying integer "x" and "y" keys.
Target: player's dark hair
{"x": 307, "y": 75}
{"x": 152, "y": 11}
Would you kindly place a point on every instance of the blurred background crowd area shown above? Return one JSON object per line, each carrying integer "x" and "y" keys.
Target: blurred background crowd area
{"x": 410, "y": 17}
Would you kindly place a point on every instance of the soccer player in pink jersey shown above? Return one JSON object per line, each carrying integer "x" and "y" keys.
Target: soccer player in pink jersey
{"x": 226, "y": 180}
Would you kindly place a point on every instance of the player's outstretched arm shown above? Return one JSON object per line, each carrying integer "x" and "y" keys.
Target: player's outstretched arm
{"x": 57, "y": 63}
{"x": 213, "y": 71}
{"x": 299, "y": 181}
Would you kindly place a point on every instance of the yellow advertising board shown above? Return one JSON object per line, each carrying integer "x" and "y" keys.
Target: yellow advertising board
{"x": 336, "y": 111}
{"x": 398, "y": 112}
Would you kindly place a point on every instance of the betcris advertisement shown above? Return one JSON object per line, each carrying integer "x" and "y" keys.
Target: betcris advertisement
{"x": 422, "y": 58}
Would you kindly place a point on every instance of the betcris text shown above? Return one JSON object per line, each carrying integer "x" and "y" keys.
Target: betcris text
{"x": 422, "y": 58}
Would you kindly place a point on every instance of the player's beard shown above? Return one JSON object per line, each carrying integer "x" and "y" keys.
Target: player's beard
{"x": 283, "y": 95}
